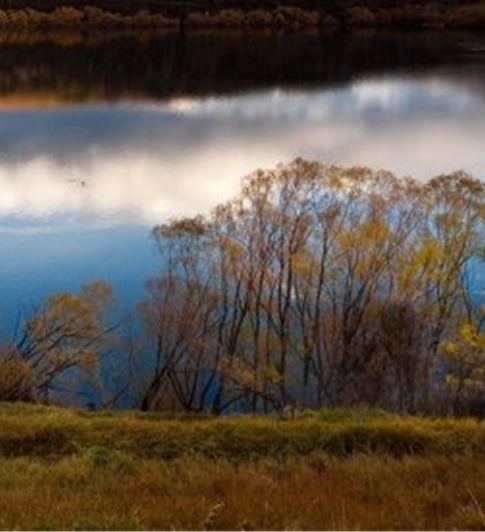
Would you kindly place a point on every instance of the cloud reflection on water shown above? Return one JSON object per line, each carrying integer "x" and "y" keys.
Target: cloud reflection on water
{"x": 141, "y": 163}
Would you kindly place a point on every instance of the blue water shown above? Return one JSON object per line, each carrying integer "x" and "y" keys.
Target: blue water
{"x": 82, "y": 185}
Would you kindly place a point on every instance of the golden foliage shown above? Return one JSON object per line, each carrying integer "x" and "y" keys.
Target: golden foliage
{"x": 16, "y": 381}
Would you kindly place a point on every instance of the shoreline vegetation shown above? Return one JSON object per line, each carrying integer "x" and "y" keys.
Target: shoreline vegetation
{"x": 317, "y": 286}
{"x": 292, "y": 18}
{"x": 66, "y": 469}
{"x": 49, "y": 432}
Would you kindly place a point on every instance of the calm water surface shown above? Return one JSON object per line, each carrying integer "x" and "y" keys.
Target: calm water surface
{"x": 101, "y": 138}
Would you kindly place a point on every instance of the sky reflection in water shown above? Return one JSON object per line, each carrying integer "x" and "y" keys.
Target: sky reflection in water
{"x": 139, "y": 164}
{"x": 82, "y": 185}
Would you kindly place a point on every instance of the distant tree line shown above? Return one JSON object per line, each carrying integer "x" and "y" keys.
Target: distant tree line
{"x": 332, "y": 15}
{"x": 316, "y": 286}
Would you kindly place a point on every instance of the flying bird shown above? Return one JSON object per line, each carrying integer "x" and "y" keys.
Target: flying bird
{"x": 80, "y": 182}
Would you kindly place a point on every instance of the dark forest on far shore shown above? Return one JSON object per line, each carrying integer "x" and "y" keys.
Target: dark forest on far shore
{"x": 280, "y": 14}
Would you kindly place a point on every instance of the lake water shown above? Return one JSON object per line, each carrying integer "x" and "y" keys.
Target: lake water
{"x": 101, "y": 137}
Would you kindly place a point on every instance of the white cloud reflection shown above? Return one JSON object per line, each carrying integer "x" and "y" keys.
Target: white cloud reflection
{"x": 141, "y": 164}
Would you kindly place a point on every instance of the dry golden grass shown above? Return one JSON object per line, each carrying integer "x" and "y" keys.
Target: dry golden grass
{"x": 315, "y": 492}
{"x": 65, "y": 469}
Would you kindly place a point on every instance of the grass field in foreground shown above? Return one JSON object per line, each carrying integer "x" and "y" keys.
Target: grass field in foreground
{"x": 65, "y": 469}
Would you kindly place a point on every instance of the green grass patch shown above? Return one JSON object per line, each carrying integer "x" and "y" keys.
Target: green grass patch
{"x": 49, "y": 432}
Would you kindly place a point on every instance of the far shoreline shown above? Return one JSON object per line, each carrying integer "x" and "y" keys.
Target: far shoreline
{"x": 282, "y": 18}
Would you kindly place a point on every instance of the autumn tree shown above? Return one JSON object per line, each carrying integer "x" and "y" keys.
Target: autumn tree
{"x": 179, "y": 321}
{"x": 57, "y": 345}
{"x": 317, "y": 285}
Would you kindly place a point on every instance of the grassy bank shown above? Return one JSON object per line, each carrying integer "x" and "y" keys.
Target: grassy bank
{"x": 64, "y": 469}
{"x": 47, "y": 432}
